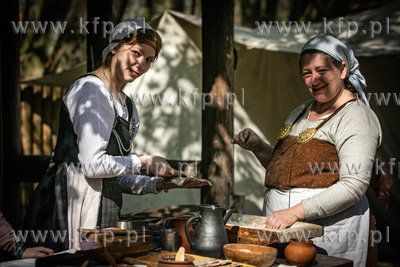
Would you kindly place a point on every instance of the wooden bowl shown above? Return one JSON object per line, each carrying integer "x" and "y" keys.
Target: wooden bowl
{"x": 261, "y": 256}
{"x": 168, "y": 260}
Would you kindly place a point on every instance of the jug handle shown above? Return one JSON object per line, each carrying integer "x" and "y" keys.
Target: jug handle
{"x": 168, "y": 219}
{"x": 228, "y": 214}
{"x": 187, "y": 228}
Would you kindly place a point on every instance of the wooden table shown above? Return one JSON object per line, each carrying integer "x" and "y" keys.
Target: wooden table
{"x": 320, "y": 260}
{"x": 152, "y": 260}
{"x": 324, "y": 260}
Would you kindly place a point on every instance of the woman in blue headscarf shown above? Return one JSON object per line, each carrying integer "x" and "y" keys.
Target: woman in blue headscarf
{"x": 321, "y": 167}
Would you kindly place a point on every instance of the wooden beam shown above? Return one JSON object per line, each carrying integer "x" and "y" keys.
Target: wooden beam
{"x": 10, "y": 112}
{"x": 217, "y": 117}
{"x": 96, "y": 42}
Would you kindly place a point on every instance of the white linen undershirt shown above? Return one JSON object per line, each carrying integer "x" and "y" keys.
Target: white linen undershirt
{"x": 91, "y": 110}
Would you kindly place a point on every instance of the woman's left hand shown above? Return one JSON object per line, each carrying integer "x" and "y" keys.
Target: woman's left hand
{"x": 158, "y": 166}
{"x": 282, "y": 219}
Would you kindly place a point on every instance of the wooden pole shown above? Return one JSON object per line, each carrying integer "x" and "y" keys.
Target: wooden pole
{"x": 26, "y": 119}
{"x": 46, "y": 120}
{"x": 217, "y": 115}
{"x": 57, "y": 99}
{"x": 97, "y": 41}
{"x": 10, "y": 112}
{"x": 37, "y": 119}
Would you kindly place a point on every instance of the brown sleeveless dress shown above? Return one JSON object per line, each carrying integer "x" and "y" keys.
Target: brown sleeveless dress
{"x": 302, "y": 161}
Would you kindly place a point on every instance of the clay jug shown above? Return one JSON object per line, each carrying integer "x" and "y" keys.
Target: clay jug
{"x": 180, "y": 225}
{"x": 210, "y": 236}
{"x": 300, "y": 252}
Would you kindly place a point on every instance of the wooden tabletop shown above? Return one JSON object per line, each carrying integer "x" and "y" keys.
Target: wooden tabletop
{"x": 320, "y": 260}
{"x": 324, "y": 260}
{"x": 152, "y": 260}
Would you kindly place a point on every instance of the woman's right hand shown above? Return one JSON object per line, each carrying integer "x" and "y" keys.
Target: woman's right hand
{"x": 37, "y": 252}
{"x": 247, "y": 139}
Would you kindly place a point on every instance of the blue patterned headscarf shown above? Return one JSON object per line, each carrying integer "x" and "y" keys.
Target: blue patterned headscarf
{"x": 341, "y": 52}
{"x": 121, "y": 31}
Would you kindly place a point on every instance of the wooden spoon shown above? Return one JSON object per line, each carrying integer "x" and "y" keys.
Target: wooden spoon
{"x": 109, "y": 257}
{"x": 180, "y": 255}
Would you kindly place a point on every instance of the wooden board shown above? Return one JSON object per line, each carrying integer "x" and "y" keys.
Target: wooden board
{"x": 114, "y": 231}
{"x": 152, "y": 260}
{"x": 323, "y": 261}
{"x": 119, "y": 251}
{"x": 250, "y": 229}
{"x": 112, "y": 236}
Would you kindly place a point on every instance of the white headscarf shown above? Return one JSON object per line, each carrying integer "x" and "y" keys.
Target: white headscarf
{"x": 341, "y": 52}
{"x": 122, "y": 30}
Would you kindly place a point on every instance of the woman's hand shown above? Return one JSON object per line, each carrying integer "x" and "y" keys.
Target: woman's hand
{"x": 158, "y": 166}
{"x": 282, "y": 219}
{"x": 247, "y": 139}
{"x": 37, "y": 252}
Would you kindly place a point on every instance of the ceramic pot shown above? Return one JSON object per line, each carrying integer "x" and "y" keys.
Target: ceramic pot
{"x": 300, "y": 252}
{"x": 168, "y": 260}
{"x": 180, "y": 225}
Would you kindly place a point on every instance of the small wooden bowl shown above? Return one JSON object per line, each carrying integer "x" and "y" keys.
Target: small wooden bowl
{"x": 261, "y": 256}
{"x": 168, "y": 260}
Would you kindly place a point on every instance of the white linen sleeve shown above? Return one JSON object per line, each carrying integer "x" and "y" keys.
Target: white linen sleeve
{"x": 92, "y": 114}
{"x": 138, "y": 184}
{"x": 356, "y": 138}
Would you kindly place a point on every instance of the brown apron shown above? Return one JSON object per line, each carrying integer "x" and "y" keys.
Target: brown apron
{"x": 303, "y": 164}
{"x": 309, "y": 165}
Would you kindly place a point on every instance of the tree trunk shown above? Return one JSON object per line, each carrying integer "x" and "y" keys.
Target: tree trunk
{"x": 10, "y": 114}
{"x": 217, "y": 115}
{"x": 96, "y": 42}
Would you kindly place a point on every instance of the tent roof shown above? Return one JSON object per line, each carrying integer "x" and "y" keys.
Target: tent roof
{"x": 63, "y": 79}
{"x": 387, "y": 42}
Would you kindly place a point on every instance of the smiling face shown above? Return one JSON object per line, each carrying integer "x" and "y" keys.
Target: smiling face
{"x": 131, "y": 61}
{"x": 323, "y": 80}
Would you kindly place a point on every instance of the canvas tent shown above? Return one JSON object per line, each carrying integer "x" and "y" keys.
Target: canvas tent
{"x": 267, "y": 87}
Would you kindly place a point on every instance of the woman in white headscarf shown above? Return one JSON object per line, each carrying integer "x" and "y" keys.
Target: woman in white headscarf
{"x": 92, "y": 165}
{"x": 321, "y": 167}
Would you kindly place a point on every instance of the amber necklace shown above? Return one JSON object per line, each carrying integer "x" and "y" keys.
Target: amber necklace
{"x": 306, "y": 135}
